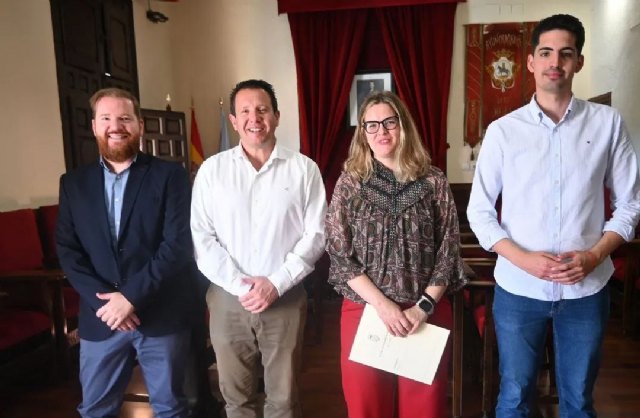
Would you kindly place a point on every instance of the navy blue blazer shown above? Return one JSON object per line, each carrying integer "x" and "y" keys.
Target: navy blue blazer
{"x": 152, "y": 264}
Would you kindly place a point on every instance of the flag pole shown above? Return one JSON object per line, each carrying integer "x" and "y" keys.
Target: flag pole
{"x": 224, "y": 143}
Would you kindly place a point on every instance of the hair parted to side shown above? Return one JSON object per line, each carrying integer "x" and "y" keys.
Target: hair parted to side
{"x": 412, "y": 158}
{"x": 252, "y": 85}
{"x": 563, "y": 22}
{"x": 118, "y": 93}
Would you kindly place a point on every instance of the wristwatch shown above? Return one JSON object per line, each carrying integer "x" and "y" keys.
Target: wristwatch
{"x": 427, "y": 304}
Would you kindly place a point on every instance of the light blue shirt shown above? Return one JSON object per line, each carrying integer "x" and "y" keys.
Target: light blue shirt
{"x": 552, "y": 180}
{"x": 114, "y": 187}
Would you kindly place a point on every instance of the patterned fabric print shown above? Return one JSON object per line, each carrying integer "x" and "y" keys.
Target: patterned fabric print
{"x": 403, "y": 236}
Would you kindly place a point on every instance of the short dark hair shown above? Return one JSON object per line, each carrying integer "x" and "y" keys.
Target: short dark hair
{"x": 252, "y": 85}
{"x": 117, "y": 93}
{"x": 563, "y": 22}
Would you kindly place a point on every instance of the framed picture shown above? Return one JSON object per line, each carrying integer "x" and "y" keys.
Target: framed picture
{"x": 362, "y": 86}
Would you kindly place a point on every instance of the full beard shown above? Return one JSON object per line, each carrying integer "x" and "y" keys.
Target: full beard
{"x": 122, "y": 152}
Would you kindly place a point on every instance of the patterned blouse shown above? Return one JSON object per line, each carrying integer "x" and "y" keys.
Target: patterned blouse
{"x": 403, "y": 236}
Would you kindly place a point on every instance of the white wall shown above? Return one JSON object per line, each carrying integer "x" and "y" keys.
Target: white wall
{"x": 31, "y": 153}
{"x": 154, "y": 54}
{"x": 615, "y": 58}
{"x": 496, "y": 11}
{"x": 219, "y": 43}
{"x": 208, "y": 46}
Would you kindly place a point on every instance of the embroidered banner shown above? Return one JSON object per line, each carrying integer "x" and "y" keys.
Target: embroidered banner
{"x": 497, "y": 78}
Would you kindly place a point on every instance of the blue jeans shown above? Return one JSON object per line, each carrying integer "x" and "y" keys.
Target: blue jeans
{"x": 521, "y": 328}
{"x": 106, "y": 367}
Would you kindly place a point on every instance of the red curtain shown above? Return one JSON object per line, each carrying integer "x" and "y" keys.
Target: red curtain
{"x": 419, "y": 44}
{"x": 299, "y": 6}
{"x": 327, "y": 46}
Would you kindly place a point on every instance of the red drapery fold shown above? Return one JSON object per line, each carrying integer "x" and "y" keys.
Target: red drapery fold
{"x": 299, "y": 6}
{"x": 419, "y": 43}
{"x": 327, "y": 46}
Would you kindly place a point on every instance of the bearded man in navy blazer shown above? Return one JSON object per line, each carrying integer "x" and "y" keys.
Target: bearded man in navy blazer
{"x": 124, "y": 242}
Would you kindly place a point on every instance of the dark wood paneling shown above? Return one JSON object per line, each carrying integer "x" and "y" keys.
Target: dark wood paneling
{"x": 120, "y": 42}
{"x": 165, "y": 135}
{"x": 461, "y": 192}
{"x": 95, "y": 48}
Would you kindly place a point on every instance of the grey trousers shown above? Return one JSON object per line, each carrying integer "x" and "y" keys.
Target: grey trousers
{"x": 241, "y": 339}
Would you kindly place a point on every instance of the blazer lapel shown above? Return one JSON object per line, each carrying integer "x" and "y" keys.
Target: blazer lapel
{"x": 139, "y": 170}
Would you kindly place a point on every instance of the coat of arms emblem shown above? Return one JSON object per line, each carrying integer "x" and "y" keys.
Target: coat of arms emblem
{"x": 502, "y": 70}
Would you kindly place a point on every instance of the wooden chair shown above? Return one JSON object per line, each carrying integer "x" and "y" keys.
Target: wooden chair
{"x": 478, "y": 301}
{"x": 29, "y": 312}
{"x": 625, "y": 285}
{"x": 69, "y": 299}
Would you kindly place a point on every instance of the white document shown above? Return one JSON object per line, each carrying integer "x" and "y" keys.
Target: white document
{"x": 415, "y": 356}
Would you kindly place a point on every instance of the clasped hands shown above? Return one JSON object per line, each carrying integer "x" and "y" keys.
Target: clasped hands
{"x": 260, "y": 296}
{"x": 118, "y": 313}
{"x": 566, "y": 268}
{"x": 399, "y": 322}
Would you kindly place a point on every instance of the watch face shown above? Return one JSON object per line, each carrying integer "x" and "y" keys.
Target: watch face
{"x": 426, "y": 306}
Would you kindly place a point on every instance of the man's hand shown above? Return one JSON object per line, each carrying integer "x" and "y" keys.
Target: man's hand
{"x": 261, "y": 295}
{"x": 130, "y": 323}
{"x": 577, "y": 265}
{"x": 540, "y": 264}
{"x": 394, "y": 318}
{"x": 416, "y": 316}
{"x": 116, "y": 310}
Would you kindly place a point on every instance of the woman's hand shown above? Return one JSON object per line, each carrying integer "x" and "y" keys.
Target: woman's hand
{"x": 416, "y": 316}
{"x": 394, "y": 318}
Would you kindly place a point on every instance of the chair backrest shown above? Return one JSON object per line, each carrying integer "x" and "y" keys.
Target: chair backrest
{"x": 20, "y": 247}
{"x": 47, "y": 218}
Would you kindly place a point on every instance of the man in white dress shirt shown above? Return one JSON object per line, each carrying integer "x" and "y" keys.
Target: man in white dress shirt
{"x": 257, "y": 218}
{"x": 551, "y": 160}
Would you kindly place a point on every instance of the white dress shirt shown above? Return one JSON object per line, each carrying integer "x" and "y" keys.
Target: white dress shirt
{"x": 552, "y": 179}
{"x": 258, "y": 223}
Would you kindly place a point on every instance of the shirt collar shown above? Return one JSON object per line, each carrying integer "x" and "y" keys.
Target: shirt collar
{"x": 277, "y": 153}
{"x": 382, "y": 170}
{"x": 538, "y": 115}
{"x": 106, "y": 168}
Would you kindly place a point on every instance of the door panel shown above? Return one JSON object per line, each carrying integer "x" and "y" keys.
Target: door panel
{"x": 95, "y": 48}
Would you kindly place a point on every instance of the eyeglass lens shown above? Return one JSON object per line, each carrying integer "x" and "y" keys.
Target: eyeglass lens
{"x": 373, "y": 126}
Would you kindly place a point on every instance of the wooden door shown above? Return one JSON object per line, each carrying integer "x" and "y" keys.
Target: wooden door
{"x": 95, "y": 48}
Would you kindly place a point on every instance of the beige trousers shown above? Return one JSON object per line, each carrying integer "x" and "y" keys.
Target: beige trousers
{"x": 241, "y": 339}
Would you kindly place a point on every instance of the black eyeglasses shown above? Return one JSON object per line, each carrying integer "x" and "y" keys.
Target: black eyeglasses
{"x": 373, "y": 126}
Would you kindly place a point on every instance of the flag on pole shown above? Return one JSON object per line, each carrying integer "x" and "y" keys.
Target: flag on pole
{"x": 224, "y": 132}
{"x": 197, "y": 156}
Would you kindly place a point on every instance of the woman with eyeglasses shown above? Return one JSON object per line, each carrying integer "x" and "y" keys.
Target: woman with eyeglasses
{"x": 392, "y": 236}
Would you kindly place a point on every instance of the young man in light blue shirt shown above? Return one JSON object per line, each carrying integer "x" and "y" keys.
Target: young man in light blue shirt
{"x": 551, "y": 160}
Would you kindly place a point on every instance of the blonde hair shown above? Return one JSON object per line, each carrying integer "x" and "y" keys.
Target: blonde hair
{"x": 412, "y": 158}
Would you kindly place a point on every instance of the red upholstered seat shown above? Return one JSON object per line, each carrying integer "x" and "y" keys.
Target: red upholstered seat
{"x": 19, "y": 325}
{"x": 480, "y": 318}
{"x": 27, "y": 309}
{"x": 20, "y": 247}
{"x": 620, "y": 267}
